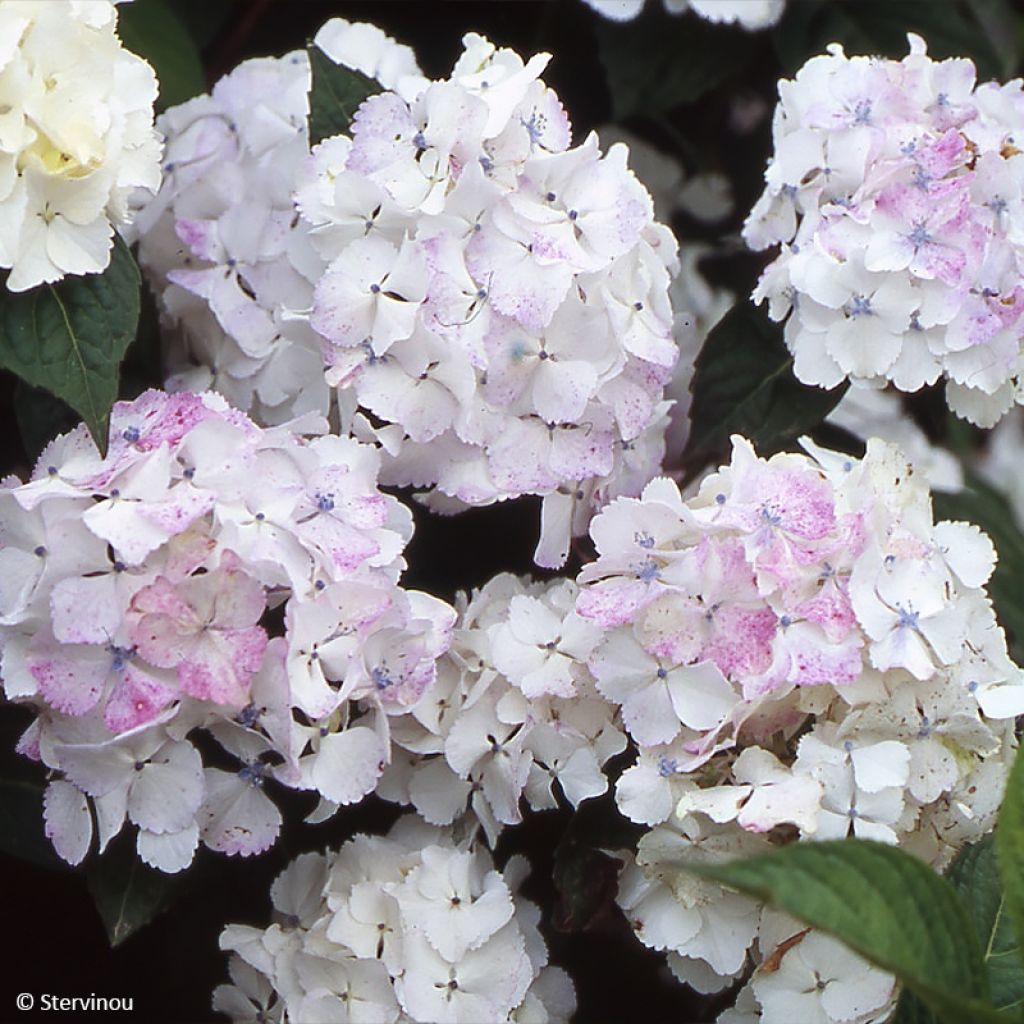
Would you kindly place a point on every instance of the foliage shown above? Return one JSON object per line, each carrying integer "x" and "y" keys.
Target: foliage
{"x": 70, "y": 338}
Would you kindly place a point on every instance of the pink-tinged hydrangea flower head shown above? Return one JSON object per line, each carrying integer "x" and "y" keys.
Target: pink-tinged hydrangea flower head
{"x": 137, "y": 606}
{"x": 469, "y": 248}
{"x": 798, "y": 651}
{"x": 895, "y": 195}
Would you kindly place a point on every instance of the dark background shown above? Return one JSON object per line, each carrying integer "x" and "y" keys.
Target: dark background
{"x": 56, "y": 941}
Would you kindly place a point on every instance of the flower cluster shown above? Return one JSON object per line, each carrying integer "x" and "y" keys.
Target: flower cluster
{"x": 221, "y": 243}
{"x": 407, "y": 927}
{"x": 139, "y": 595}
{"x": 751, "y": 14}
{"x": 799, "y": 651}
{"x": 513, "y": 712}
{"x": 77, "y": 137}
{"x": 495, "y": 299}
{"x": 895, "y": 192}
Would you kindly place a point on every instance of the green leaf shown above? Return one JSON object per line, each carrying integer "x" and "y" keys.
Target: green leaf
{"x": 657, "y": 63}
{"x": 21, "y": 823}
{"x": 70, "y": 338}
{"x": 1010, "y": 847}
{"x": 982, "y": 504}
{"x": 153, "y": 30}
{"x": 127, "y": 893}
{"x": 743, "y": 383}
{"x": 886, "y": 905}
{"x": 975, "y": 876}
{"x": 335, "y": 96}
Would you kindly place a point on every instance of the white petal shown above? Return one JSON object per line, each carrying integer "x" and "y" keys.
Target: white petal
{"x": 68, "y": 823}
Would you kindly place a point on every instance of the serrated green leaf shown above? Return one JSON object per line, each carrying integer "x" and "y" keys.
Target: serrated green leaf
{"x": 657, "y": 63}
{"x": 334, "y": 96}
{"x": 1009, "y": 844}
{"x": 743, "y": 383}
{"x": 127, "y": 893}
{"x": 70, "y": 338}
{"x": 886, "y": 905}
{"x": 975, "y": 877}
{"x": 982, "y": 504}
{"x": 153, "y": 30}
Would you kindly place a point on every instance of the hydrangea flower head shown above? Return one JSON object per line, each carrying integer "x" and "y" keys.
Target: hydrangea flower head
{"x": 136, "y": 609}
{"x": 470, "y": 247}
{"x": 410, "y": 926}
{"x": 220, "y": 249}
{"x": 78, "y": 138}
{"x": 895, "y": 195}
{"x": 514, "y": 714}
{"x": 798, "y": 651}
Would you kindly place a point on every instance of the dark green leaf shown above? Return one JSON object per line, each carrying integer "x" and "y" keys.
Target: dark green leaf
{"x": 21, "y": 823}
{"x": 743, "y": 383}
{"x": 70, "y": 338}
{"x": 128, "y": 894}
{"x": 657, "y": 63}
{"x": 335, "y": 96}
{"x": 975, "y": 876}
{"x": 153, "y": 30}
{"x": 1010, "y": 848}
{"x": 888, "y": 906}
{"x": 980, "y": 503}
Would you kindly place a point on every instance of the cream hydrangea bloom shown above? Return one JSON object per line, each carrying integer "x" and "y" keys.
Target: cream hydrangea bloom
{"x": 76, "y": 137}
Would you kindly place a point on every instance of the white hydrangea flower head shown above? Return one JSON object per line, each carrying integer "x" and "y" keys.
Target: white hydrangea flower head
{"x": 221, "y": 244}
{"x": 134, "y": 611}
{"x": 750, "y": 14}
{"x": 220, "y": 248}
{"x": 895, "y": 195}
{"x": 514, "y": 714}
{"x": 78, "y": 138}
{"x": 470, "y": 247}
{"x": 410, "y": 927}
{"x": 799, "y": 652}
